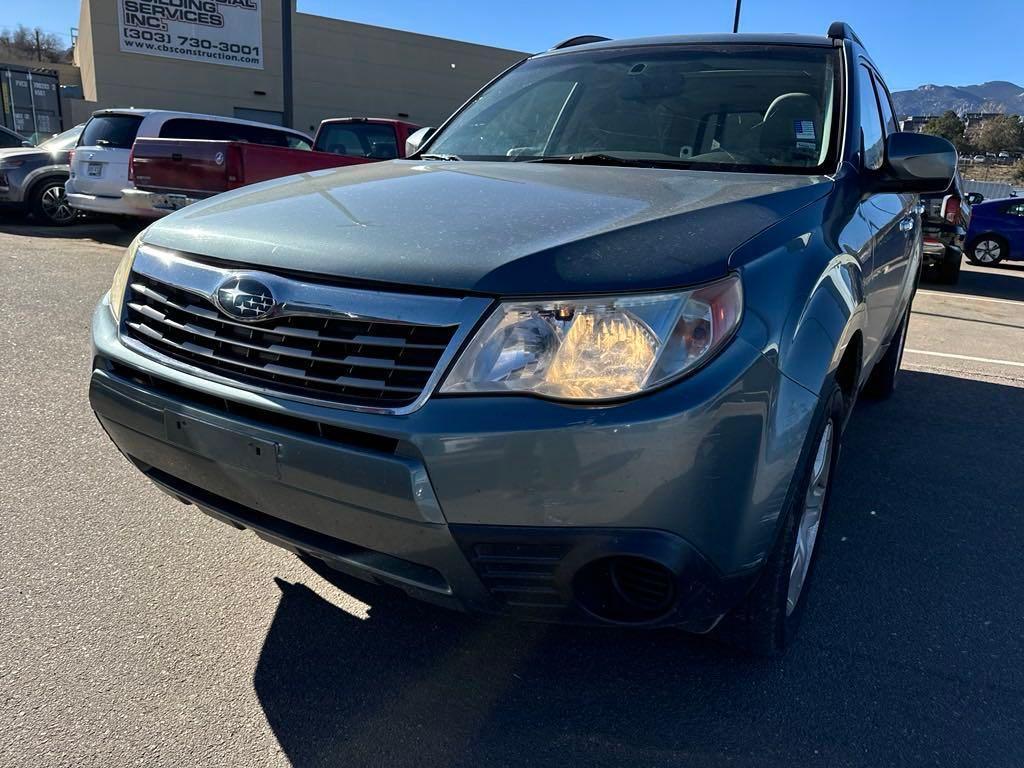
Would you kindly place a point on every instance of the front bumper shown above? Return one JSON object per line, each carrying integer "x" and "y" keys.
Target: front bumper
{"x": 487, "y": 504}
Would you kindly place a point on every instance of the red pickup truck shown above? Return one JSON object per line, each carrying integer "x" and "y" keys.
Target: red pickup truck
{"x": 171, "y": 173}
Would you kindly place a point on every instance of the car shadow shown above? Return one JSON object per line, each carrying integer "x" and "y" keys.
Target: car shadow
{"x": 911, "y": 650}
{"x": 1005, "y": 281}
{"x": 97, "y": 229}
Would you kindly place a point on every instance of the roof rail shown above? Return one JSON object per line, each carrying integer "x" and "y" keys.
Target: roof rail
{"x": 840, "y": 30}
{"x": 579, "y": 40}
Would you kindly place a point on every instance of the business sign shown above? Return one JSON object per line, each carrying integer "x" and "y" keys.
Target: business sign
{"x": 228, "y": 32}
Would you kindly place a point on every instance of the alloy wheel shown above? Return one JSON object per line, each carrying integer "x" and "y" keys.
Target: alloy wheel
{"x": 55, "y": 205}
{"x": 987, "y": 251}
{"x": 810, "y": 516}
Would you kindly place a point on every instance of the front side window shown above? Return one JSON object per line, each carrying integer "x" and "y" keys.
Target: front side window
{"x": 114, "y": 131}
{"x": 768, "y": 108}
{"x": 373, "y": 140}
{"x": 872, "y": 138}
{"x": 888, "y": 118}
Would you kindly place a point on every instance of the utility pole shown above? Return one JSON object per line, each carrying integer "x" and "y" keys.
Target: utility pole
{"x": 736, "y": 21}
{"x": 39, "y": 47}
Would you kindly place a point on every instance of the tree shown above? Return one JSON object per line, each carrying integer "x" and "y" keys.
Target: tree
{"x": 1017, "y": 174}
{"x": 950, "y": 127}
{"x": 1001, "y": 133}
{"x": 34, "y": 44}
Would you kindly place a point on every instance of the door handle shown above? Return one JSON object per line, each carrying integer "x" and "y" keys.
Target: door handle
{"x": 907, "y": 224}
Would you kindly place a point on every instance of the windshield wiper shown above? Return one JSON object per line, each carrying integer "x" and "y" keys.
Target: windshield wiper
{"x": 429, "y": 156}
{"x": 599, "y": 158}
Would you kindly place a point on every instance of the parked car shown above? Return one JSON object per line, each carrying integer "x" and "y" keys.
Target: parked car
{"x": 9, "y": 138}
{"x": 100, "y": 165}
{"x": 996, "y": 232}
{"x": 32, "y": 179}
{"x": 944, "y": 226}
{"x": 980, "y": 159}
{"x": 586, "y": 356}
{"x": 170, "y": 173}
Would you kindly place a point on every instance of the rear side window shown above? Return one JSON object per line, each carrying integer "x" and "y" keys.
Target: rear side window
{"x": 358, "y": 140}
{"x": 116, "y": 131}
{"x": 870, "y": 121}
{"x": 217, "y": 130}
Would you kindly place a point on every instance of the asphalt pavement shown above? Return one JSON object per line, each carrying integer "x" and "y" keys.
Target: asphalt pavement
{"x": 135, "y": 631}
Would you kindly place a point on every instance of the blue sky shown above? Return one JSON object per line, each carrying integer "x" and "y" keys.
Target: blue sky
{"x": 910, "y": 39}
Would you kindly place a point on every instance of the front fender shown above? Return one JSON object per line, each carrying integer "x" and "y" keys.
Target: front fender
{"x": 804, "y": 293}
{"x": 38, "y": 174}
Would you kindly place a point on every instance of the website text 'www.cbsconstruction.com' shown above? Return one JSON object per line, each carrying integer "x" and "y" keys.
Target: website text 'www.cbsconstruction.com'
{"x": 214, "y": 52}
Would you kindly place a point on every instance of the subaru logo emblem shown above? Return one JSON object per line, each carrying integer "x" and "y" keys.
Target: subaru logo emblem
{"x": 245, "y": 298}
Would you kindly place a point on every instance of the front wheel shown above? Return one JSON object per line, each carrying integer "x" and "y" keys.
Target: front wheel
{"x": 50, "y": 204}
{"x": 766, "y": 623}
{"x": 882, "y": 382}
{"x": 987, "y": 251}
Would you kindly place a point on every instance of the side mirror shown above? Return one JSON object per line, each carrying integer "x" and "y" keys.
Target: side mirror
{"x": 973, "y": 198}
{"x": 417, "y": 140}
{"x": 916, "y": 162}
{"x": 27, "y": 143}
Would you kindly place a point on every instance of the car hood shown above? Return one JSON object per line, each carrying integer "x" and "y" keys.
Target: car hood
{"x": 492, "y": 228}
{"x": 34, "y": 154}
{"x": 20, "y": 152}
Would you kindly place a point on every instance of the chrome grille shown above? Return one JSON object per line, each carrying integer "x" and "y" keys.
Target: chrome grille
{"x": 327, "y": 355}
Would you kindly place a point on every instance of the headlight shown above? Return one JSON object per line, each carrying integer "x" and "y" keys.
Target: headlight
{"x": 597, "y": 348}
{"x": 120, "y": 282}
{"x": 11, "y": 163}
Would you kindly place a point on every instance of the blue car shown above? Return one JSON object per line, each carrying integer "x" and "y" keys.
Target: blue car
{"x": 586, "y": 355}
{"x": 996, "y": 232}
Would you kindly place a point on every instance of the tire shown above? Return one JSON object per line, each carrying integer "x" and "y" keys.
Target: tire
{"x": 130, "y": 223}
{"x": 49, "y": 204}
{"x": 766, "y": 622}
{"x": 882, "y": 382}
{"x": 987, "y": 250}
{"x": 948, "y": 272}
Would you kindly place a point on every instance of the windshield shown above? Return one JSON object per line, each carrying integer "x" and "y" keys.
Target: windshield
{"x": 738, "y": 107}
{"x": 62, "y": 141}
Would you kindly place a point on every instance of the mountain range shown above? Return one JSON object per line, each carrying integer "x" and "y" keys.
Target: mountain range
{"x": 996, "y": 96}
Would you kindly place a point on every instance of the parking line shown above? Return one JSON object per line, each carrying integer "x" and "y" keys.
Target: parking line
{"x": 968, "y": 296}
{"x": 967, "y": 357}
